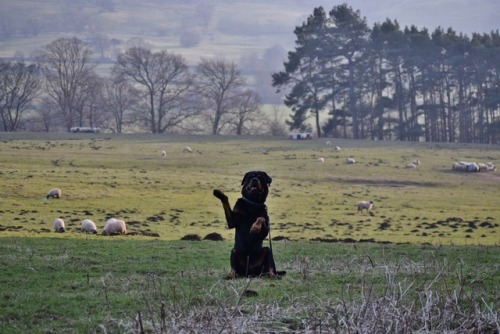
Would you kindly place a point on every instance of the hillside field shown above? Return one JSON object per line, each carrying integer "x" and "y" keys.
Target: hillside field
{"x": 429, "y": 263}
{"x": 126, "y": 177}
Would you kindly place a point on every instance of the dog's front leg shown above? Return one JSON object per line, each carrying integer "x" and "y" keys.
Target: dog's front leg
{"x": 228, "y": 213}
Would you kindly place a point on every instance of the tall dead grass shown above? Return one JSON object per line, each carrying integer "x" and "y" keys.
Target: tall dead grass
{"x": 410, "y": 297}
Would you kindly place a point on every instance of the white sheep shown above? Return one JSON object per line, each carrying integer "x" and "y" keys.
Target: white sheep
{"x": 465, "y": 166}
{"x": 88, "y": 226}
{"x": 459, "y": 166}
{"x": 337, "y": 148}
{"x": 365, "y": 205}
{"x": 473, "y": 167}
{"x": 350, "y": 161}
{"x": 411, "y": 165}
{"x": 187, "y": 149}
{"x": 54, "y": 193}
{"x": 328, "y": 143}
{"x": 58, "y": 225}
{"x": 114, "y": 226}
{"x": 163, "y": 154}
{"x": 486, "y": 167}
{"x": 416, "y": 162}
{"x": 490, "y": 167}
{"x": 482, "y": 167}
{"x": 320, "y": 159}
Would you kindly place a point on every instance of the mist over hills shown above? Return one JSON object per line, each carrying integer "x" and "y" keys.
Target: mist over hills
{"x": 255, "y": 34}
{"x": 192, "y": 28}
{"x": 223, "y": 28}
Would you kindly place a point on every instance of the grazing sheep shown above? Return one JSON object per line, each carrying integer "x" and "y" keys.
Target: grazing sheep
{"x": 337, "y": 148}
{"x": 465, "y": 166}
{"x": 54, "y": 193}
{"x": 411, "y": 165}
{"x": 114, "y": 226}
{"x": 473, "y": 167}
{"x": 459, "y": 166}
{"x": 365, "y": 205}
{"x": 490, "y": 167}
{"x": 320, "y": 159}
{"x": 88, "y": 226}
{"x": 58, "y": 225}
{"x": 187, "y": 149}
{"x": 163, "y": 154}
{"x": 486, "y": 167}
{"x": 350, "y": 160}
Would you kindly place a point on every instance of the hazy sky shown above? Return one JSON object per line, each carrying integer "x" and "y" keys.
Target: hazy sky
{"x": 465, "y": 16}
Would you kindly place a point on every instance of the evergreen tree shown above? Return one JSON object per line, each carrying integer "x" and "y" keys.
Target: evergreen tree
{"x": 302, "y": 73}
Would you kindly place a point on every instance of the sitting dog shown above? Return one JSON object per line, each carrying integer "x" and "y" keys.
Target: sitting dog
{"x": 251, "y": 223}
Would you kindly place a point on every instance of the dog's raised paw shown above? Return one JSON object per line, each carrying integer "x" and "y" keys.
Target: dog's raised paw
{"x": 257, "y": 226}
{"x": 220, "y": 195}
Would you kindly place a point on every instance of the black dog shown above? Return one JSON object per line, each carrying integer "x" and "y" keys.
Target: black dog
{"x": 251, "y": 223}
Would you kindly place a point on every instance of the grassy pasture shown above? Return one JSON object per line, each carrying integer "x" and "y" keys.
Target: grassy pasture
{"x": 125, "y": 177}
{"x": 85, "y": 285}
{"x": 440, "y": 273}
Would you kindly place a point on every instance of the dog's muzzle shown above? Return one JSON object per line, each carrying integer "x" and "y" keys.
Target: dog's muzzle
{"x": 254, "y": 185}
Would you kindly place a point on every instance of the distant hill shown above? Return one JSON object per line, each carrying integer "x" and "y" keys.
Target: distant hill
{"x": 193, "y": 28}
{"x": 255, "y": 34}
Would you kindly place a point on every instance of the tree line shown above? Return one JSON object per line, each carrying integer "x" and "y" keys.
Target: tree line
{"x": 343, "y": 79}
{"x": 389, "y": 83}
{"x": 147, "y": 91}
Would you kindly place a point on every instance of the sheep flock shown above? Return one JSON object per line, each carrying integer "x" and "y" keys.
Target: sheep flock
{"x": 115, "y": 226}
{"x": 465, "y": 166}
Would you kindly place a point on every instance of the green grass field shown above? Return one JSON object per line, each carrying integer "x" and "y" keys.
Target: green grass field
{"x": 439, "y": 271}
{"x": 126, "y": 177}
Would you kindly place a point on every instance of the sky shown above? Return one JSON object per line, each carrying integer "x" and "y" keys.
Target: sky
{"x": 466, "y": 16}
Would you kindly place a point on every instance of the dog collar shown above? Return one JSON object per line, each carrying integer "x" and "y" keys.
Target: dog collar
{"x": 253, "y": 203}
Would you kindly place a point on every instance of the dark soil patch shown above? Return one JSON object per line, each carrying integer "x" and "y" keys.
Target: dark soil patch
{"x": 213, "y": 237}
{"x": 144, "y": 233}
{"x": 191, "y": 237}
{"x": 386, "y": 183}
{"x": 280, "y": 237}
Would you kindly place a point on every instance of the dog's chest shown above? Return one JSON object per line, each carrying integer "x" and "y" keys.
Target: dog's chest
{"x": 247, "y": 213}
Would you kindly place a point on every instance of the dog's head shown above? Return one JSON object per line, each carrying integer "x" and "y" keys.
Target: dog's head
{"x": 255, "y": 186}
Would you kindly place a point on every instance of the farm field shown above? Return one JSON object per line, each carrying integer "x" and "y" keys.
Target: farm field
{"x": 426, "y": 257}
{"x": 125, "y": 177}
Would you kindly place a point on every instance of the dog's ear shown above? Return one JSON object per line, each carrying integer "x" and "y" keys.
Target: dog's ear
{"x": 269, "y": 179}
{"x": 244, "y": 178}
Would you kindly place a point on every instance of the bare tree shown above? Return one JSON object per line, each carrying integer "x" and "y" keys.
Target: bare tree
{"x": 89, "y": 102}
{"x": 276, "y": 123}
{"x": 93, "y": 112}
{"x": 121, "y": 99}
{"x": 246, "y": 111}
{"x": 46, "y": 113}
{"x": 165, "y": 82}
{"x": 219, "y": 83}
{"x": 68, "y": 71}
{"x": 19, "y": 85}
